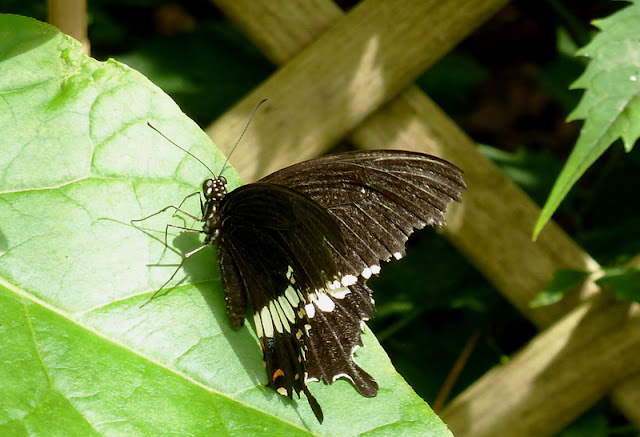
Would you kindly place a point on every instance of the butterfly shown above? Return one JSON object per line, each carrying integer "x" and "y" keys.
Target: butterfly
{"x": 299, "y": 245}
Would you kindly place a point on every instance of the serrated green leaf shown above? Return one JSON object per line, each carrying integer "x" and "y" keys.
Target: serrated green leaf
{"x": 623, "y": 282}
{"x": 77, "y": 164}
{"x": 610, "y": 106}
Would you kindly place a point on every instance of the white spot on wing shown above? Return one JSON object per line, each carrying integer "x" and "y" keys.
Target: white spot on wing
{"x": 397, "y": 255}
{"x": 282, "y": 391}
{"x": 275, "y": 317}
{"x": 341, "y": 375}
{"x": 325, "y": 303}
{"x": 258, "y": 322}
{"x": 366, "y": 273}
{"x": 283, "y": 318}
{"x": 287, "y": 309}
{"x": 292, "y": 296}
{"x": 375, "y": 269}
{"x": 340, "y": 293}
{"x": 290, "y": 277}
{"x": 310, "y": 309}
{"x": 267, "y": 326}
{"x": 348, "y": 280}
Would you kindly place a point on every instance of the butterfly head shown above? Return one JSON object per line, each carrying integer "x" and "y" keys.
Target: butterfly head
{"x": 214, "y": 190}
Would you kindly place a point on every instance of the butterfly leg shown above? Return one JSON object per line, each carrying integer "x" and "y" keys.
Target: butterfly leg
{"x": 186, "y": 256}
{"x": 201, "y": 203}
{"x": 184, "y": 200}
{"x": 177, "y": 209}
{"x": 182, "y": 228}
{"x": 164, "y": 209}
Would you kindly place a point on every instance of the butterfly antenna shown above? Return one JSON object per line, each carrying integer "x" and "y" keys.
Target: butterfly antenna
{"x": 182, "y": 148}
{"x": 242, "y": 134}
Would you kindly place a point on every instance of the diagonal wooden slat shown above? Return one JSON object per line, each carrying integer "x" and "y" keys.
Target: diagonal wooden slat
{"x": 355, "y": 66}
{"x": 626, "y": 397}
{"x": 416, "y": 120}
{"x": 559, "y": 374}
{"x": 556, "y": 377}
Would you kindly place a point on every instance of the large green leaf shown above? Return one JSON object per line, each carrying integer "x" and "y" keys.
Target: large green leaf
{"x": 610, "y": 106}
{"x": 79, "y": 356}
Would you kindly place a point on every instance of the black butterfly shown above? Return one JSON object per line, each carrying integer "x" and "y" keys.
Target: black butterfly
{"x": 299, "y": 245}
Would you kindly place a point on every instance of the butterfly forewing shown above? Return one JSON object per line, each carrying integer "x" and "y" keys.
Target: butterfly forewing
{"x": 377, "y": 197}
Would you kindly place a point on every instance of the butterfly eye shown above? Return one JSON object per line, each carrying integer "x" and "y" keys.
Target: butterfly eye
{"x": 207, "y": 188}
{"x": 215, "y": 188}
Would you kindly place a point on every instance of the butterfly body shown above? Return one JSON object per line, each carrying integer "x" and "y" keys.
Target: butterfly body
{"x": 299, "y": 244}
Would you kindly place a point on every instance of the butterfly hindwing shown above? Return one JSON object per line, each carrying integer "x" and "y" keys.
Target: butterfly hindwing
{"x": 335, "y": 335}
{"x": 277, "y": 246}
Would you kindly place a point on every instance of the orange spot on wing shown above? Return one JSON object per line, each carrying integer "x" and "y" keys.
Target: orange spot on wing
{"x": 277, "y": 373}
